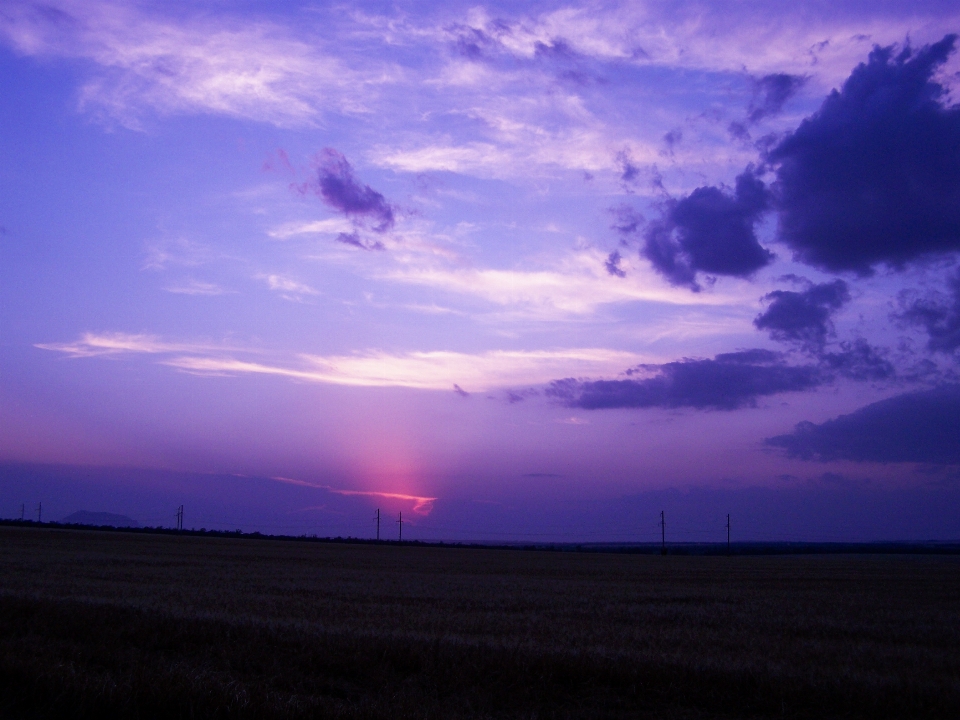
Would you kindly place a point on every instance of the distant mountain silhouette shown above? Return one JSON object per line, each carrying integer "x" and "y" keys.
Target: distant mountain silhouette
{"x": 85, "y": 517}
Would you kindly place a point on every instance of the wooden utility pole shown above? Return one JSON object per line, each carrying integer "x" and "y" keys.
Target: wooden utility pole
{"x": 180, "y": 518}
{"x": 378, "y": 524}
{"x": 728, "y": 533}
{"x": 400, "y": 523}
{"x": 22, "y": 508}
{"x": 40, "y": 512}
{"x": 663, "y": 534}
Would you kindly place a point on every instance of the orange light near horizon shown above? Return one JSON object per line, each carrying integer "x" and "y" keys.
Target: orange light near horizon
{"x": 421, "y": 504}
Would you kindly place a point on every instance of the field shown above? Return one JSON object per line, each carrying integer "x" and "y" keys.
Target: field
{"x": 97, "y": 624}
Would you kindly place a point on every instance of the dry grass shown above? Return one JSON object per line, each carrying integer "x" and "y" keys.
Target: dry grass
{"x": 113, "y": 624}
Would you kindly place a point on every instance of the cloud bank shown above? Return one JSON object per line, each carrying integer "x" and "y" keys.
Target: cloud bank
{"x": 727, "y": 382}
{"x": 914, "y": 427}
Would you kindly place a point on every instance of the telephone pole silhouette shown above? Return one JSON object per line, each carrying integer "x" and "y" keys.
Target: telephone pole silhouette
{"x": 22, "y": 508}
{"x": 378, "y": 524}
{"x": 400, "y": 523}
{"x": 40, "y": 512}
{"x": 728, "y": 533}
{"x": 663, "y": 534}
{"x": 180, "y": 518}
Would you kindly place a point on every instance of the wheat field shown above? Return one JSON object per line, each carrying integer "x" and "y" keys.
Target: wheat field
{"x": 111, "y": 624}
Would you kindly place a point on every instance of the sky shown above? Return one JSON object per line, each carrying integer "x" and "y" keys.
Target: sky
{"x": 512, "y": 270}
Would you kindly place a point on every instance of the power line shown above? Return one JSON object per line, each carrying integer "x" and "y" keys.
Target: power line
{"x": 663, "y": 534}
{"x": 728, "y": 533}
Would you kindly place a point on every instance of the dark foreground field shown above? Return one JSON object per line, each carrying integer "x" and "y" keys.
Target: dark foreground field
{"x": 97, "y": 624}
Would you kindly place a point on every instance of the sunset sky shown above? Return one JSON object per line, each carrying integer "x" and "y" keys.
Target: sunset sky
{"x": 516, "y": 270}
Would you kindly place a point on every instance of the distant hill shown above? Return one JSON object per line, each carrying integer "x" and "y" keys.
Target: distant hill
{"x": 85, "y": 517}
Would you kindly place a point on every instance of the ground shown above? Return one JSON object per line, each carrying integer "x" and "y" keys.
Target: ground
{"x": 115, "y": 624}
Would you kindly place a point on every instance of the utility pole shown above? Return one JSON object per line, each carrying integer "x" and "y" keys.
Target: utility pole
{"x": 400, "y": 523}
{"x": 180, "y": 518}
{"x": 728, "y": 533}
{"x": 40, "y": 512}
{"x": 663, "y": 534}
{"x": 22, "y": 508}
{"x": 378, "y": 524}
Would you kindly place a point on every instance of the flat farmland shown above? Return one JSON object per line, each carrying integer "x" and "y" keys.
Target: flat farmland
{"x": 103, "y": 624}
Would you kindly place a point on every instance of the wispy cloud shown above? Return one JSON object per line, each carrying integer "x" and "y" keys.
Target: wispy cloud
{"x": 288, "y": 288}
{"x": 180, "y": 251}
{"x": 330, "y": 226}
{"x": 421, "y": 505}
{"x": 146, "y": 60}
{"x": 95, "y": 344}
{"x": 426, "y": 370}
{"x": 578, "y": 285}
{"x": 195, "y": 287}
{"x": 435, "y": 370}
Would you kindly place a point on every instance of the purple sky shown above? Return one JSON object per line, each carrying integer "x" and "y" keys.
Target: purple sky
{"x": 533, "y": 271}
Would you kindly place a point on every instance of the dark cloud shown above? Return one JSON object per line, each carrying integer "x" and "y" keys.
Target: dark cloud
{"x": 709, "y": 231}
{"x": 729, "y": 381}
{"x": 626, "y": 220}
{"x": 672, "y": 139}
{"x": 773, "y": 91}
{"x": 739, "y": 131}
{"x": 629, "y": 173}
{"x": 915, "y": 427}
{"x": 472, "y": 43}
{"x": 858, "y": 360}
{"x": 803, "y": 317}
{"x": 515, "y": 396}
{"x": 613, "y": 264}
{"x": 938, "y": 314}
{"x": 339, "y": 189}
{"x": 355, "y": 240}
{"x": 460, "y": 391}
{"x": 873, "y": 177}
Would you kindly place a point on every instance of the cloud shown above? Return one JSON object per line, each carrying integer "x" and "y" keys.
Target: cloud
{"x": 873, "y": 177}
{"x": 337, "y": 186}
{"x": 578, "y": 285}
{"x": 355, "y": 240}
{"x": 612, "y": 264}
{"x": 858, "y": 360}
{"x": 727, "y": 382}
{"x": 803, "y": 317}
{"x": 629, "y": 171}
{"x": 195, "y": 287}
{"x": 914, "y": 427}
{"x": 432, "y": 370}
{"x": 709, "y": 231}
{"x": 773, "y": 90}
{"x": 333, "y": 226}
{"x": 627, "y": 220}
{"x": 416, "y": 370}
{"x": 96, "y": 344}
{"x": 460, "y": 391}
{"x": 146, "y": 60}
{"x": 937, "y": 314}
{"x": 422, "y": 505}
{"x": 177, "y": 252}
{"x": 288, "y": 288}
